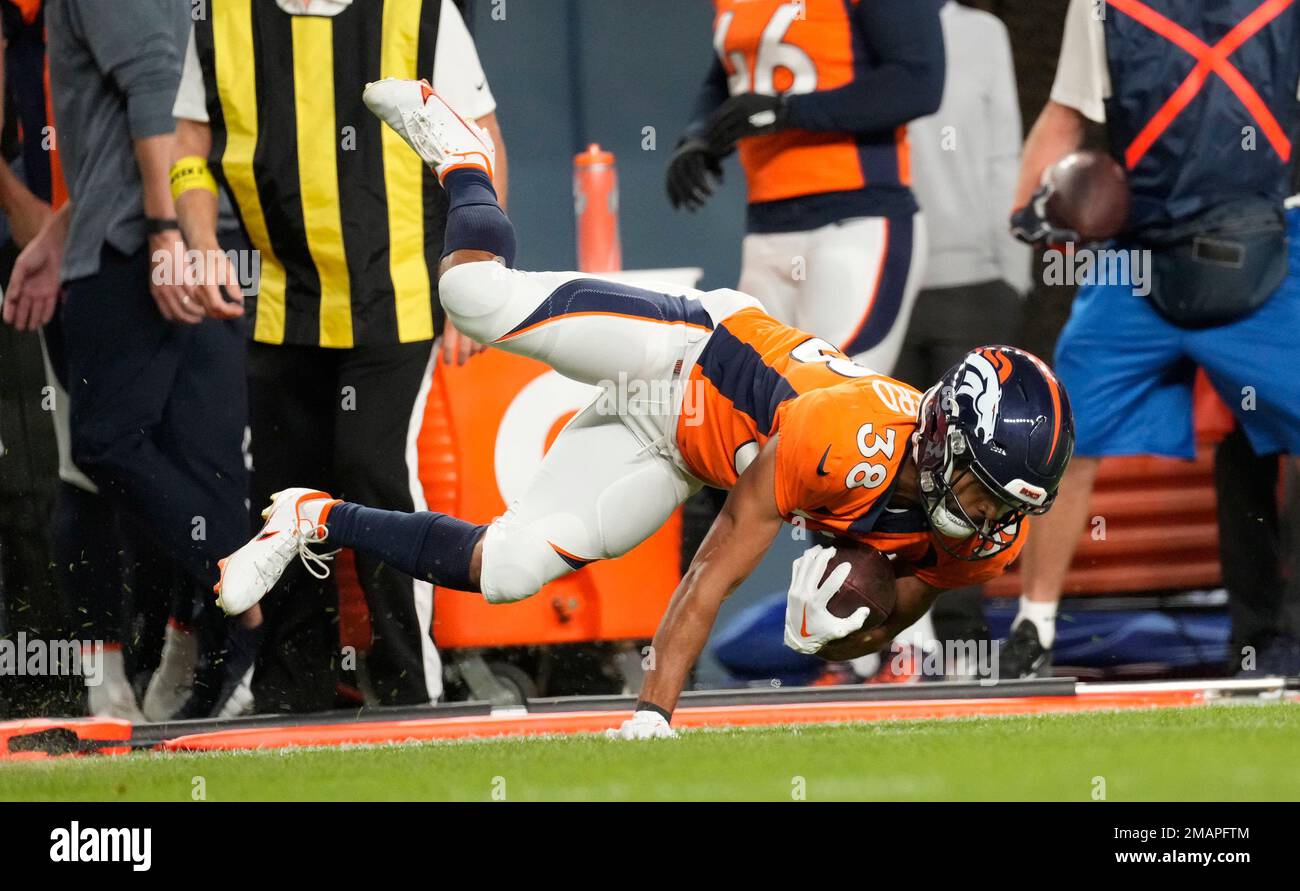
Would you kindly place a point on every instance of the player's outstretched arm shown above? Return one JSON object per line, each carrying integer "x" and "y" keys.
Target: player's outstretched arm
{"x": 735, "y": 544}
{"x": 914, "y": 598}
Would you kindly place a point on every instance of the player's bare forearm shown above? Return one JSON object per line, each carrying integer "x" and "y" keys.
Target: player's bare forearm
{"x": 196, "y": 209}
{"x": 914, "y": 598}
{"x": 729, "y": 553}
{"x": 1058, "y": 131}
{"x": 734, "y": 546}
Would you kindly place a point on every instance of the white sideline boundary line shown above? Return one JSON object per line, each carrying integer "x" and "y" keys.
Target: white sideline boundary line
{"x": 1227, "y": 685}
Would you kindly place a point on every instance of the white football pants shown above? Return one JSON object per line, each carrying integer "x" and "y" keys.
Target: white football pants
{"x": 611, "y": 478}
{"x": 852, "y": 283}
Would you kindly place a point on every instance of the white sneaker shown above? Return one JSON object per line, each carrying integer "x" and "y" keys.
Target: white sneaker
{"x": 240, "y": 702}
{"x": 441, "y": 137}
{"x": 173, "y": 681}
{"x": 113, "y": 697}
{"x": 293, "y": 521}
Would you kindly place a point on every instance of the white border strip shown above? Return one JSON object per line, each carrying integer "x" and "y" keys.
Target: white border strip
{"x": 1233, "y": 685}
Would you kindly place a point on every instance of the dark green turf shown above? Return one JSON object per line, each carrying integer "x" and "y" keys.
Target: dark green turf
{"x": 1239, "y": 752}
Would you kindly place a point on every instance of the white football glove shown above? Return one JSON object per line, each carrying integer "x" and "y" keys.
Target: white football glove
{"x": 809, "y": 626}
{"x": 643, "y": 724}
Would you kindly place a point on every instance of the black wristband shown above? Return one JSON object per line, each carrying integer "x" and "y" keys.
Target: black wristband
{"x": 159, "y": 225}
{"x": 643, "y": 706}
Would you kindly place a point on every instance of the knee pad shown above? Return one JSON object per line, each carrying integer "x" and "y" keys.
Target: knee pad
{"x": 517, "y": 561}
{"x": 473, "y": 294}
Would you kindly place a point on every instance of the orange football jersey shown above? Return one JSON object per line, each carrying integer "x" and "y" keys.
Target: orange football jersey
{"x": 844, "y": 432}
{"x": 777, "y": 46}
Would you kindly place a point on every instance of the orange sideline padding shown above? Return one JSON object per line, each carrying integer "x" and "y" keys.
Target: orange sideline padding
{"x": 1161, "y": 531}
{"x": 379, "y": 733}
{"x": 105, "y": 729}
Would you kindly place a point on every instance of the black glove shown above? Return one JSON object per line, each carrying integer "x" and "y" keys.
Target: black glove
{"x": 691, "y": 174}
{"x": 749, "y": 114}
{"x": 1030, "y": 223}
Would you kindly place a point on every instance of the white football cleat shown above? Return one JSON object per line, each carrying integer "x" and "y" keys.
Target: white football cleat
{"x": 441, "y": 137}
{"x": 293, "y": 522}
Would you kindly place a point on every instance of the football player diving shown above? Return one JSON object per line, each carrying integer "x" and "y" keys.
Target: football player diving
{"x": 942, "y": 482}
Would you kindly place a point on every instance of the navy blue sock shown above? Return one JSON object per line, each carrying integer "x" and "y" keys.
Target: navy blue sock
{"x": 429, "y": 546}
{"x": 475, "y": 221}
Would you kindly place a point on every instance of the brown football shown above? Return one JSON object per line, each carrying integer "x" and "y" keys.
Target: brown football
{"x": 1089, "y": 195}
{"x": 870, "y": 582}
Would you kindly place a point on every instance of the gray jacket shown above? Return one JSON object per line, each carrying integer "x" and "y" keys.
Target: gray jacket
{"x": 114, "y": 69}
{"x": 966, "y": 157}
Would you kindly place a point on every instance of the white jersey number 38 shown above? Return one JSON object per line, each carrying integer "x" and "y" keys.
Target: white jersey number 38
{"x": 867, "y": 474}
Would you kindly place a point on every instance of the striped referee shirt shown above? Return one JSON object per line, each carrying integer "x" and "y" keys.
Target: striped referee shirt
{"x": 347, "y": 220}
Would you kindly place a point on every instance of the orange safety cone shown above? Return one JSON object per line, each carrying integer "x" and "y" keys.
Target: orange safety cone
{"x": 595, "y": 204}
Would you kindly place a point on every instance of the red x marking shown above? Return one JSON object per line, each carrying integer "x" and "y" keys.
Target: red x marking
{"x": 1209, "y": 60}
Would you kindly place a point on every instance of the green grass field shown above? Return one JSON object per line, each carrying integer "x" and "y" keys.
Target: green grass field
{"x": 1240, "y": 752}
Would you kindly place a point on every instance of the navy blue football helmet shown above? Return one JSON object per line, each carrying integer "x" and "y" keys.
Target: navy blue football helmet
{"x": 1001, "y": 415}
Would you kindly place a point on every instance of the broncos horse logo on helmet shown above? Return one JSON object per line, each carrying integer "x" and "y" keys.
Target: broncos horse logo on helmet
{"x": 983, "y": 373}
{"x": 1001, "y": 415}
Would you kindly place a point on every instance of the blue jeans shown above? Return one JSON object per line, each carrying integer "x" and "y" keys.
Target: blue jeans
{"x": 1129, "y": 372}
